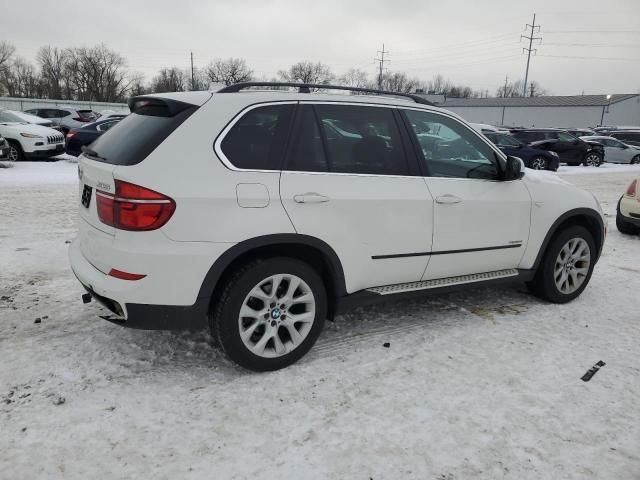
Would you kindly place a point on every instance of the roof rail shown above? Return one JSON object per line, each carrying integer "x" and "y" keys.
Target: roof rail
{"x": 306, "y": 88}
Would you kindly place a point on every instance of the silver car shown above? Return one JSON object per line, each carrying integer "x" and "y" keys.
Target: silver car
{"x": 65, "y": 117}
{"x": 616, "y": 151}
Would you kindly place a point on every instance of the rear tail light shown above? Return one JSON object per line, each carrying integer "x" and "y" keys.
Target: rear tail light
{"x": 70, "y": 134}
{"x": 134, "y": 208}
{"x": 631, "y": 191}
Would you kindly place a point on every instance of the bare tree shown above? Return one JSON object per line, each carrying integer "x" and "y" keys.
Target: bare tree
{"x": 399, "y": 82}
{"x": 97, "y": 74}
{"x": 229, "y": 71}
{"x": 354, "y": 78}
{"x": 307, "y": 72}
{"x": 138, "y": 86}
{"x": 6, "y": 52}
{"x": 515, "y": 90}
{"x": 20, "y": 79}
{"x": 53, "y": 70}
{"x": 169, "y": 80}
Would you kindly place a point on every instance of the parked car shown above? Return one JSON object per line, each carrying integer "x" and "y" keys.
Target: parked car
{"x": 580, "y": 132}
{"x": 535, "y": 158}
{"x": 246, "y": 210}
{"x": 572, "y": 150}
{"x": 27, "y": 140}
{"x": 27, "y": 117}
{"x": 105, "y": 114}
{"x": 630, "y": 137}
{"x": 79, "y": 137}
{"x": 628, "y": 211}
{"x": 606, "y": 130}
{"x": 616, "y": 151}
{"x": 65, "y": 117}
{"x": 483, "y": 127}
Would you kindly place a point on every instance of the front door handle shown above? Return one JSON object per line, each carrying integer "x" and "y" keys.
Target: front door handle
{"x": 310, "y": 197}
{"x": 448, "y": 199}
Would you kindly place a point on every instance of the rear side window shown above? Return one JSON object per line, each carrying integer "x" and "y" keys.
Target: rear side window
{"x": 134, "y": 137}
{"x": 529, "y": 137}
{"x": 362, "y": 139}
{"x": 257, "y": 141}
{"x": 86, "y": 114}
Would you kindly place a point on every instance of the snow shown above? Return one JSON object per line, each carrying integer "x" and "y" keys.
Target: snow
{"x": 480, "y": 384}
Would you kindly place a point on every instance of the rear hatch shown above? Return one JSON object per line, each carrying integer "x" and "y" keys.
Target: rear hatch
{"x": 127, "y": 143}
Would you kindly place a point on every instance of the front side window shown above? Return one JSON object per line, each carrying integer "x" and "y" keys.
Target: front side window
{"x": 257, "y": 140}
{"x": 361, "y": 139}
{"x": 566, "y": 137}
{"x": 506, "y": 141}
{"x": 449, "y": 149}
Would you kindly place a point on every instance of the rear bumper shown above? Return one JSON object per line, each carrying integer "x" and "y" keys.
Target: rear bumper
{"x": 134, "y": 315}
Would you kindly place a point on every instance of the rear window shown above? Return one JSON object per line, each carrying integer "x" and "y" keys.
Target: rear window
{"x": 134, "y": 137}
{"x": 86, "y": 114}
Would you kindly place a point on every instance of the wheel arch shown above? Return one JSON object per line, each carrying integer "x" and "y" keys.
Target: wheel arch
{"x": 303, "y": 247}
{"x": 585, "y": 217}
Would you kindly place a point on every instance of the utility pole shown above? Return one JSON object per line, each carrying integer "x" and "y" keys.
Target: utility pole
{"x": 531, "y": 38}
{"x": 506, "y": 81}
{"x": 381, "y": 62}
{"x": 532, "y": 89}
{"x": 193, "y": 78}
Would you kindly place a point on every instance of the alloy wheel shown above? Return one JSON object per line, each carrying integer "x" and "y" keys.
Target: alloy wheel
{"x": 277, "y": 315}
{"x": 592, "y": 160}
{"x": 13, "y": 153}
{"x": 572, "y": 265}
{"x": 538, "y": 163}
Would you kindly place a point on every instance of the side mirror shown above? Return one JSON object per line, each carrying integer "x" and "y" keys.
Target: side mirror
{"x": 514, "y": 169}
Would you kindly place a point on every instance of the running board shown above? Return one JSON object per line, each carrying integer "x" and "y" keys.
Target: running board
{"x": 442, "y": 282}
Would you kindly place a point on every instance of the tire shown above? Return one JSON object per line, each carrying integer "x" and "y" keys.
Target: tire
{"x": 538, "y": 163}
{"x": 544, "y": 284}
{"x": 15, "y": 151}
{"x": 259, "y": 351}
{"x": 635, "y": 160}
{"x": 592, "y": 159}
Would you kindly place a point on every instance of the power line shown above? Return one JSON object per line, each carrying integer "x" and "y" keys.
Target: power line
{"x": 593, "y": 31}
{"x": 531, "y": 38}
{"x": 621, "y": 59}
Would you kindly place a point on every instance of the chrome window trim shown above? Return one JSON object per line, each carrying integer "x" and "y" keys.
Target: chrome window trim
{"x": 227, "y": 163}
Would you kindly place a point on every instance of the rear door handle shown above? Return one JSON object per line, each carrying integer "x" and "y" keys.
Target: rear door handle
{"x": 310, "y": 197}
{"x": 448, "y": 199}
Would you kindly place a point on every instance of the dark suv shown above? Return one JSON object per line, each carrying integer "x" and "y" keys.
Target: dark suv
{"x": 535, "y": 158}
{"x": 571, "y": 150}
{"x": 630, "y": 137}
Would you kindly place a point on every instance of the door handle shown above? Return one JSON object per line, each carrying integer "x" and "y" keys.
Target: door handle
{"x": 448, "y": 199}
{"x": 310, "y": 197}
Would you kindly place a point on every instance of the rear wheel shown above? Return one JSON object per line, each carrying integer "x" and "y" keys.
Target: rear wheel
{"x": 592, "y": 160}
{"x": 538, "y": 163}
{"x": 566, "y": 266}
{"x": 15, "y": 151}
{"x": 270, "y": 313}
{"x": 635, "y": 160}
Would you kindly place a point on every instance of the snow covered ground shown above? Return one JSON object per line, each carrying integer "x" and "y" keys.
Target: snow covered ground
{"x": 480, "y": 384}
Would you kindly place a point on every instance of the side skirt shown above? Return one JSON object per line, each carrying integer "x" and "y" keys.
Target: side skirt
{"x": 442, "y": 285}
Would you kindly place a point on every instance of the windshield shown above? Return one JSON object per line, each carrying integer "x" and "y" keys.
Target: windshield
{"x": 10, "y": 117}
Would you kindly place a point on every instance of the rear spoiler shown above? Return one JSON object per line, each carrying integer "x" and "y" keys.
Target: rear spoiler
{"x": 157, "y": 107}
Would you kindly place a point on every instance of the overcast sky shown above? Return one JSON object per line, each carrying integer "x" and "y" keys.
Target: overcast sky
{"x": 590, "y": 46}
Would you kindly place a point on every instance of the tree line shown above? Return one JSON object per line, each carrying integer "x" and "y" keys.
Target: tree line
{"x": 100, "y": 74}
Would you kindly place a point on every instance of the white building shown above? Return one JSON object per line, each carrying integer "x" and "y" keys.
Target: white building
{"x": 552, "y": 111}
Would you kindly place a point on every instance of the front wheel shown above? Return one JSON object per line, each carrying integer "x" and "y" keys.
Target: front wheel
{"x": 270, "y": 313}
{"x": 538, "y": 163}
{"x": 566, "y": 266}
{"x": 15, "y": 152}
{"x": 592, "y": 160}
{"x": 635, "y": 160}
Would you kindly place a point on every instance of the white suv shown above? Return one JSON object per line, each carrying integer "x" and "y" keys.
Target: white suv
{"x": 269, "y": 211}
